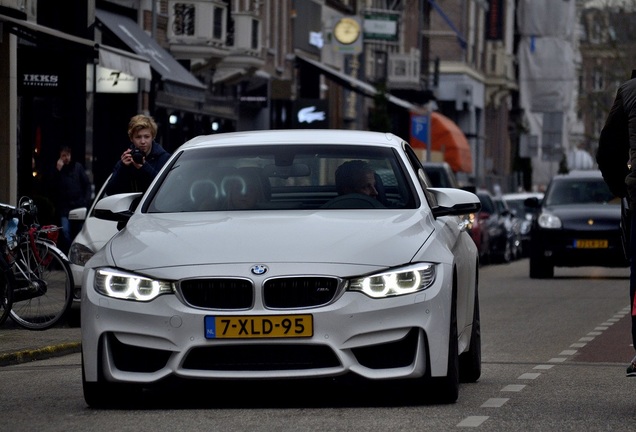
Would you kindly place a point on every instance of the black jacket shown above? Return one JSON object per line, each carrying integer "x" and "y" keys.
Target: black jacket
{"x": 127, "y": 178}
{"x": 618, "y": 141}
{"x": 72, "y": 188}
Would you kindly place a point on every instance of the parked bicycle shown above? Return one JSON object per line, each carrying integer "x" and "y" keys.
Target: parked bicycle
{"x": 36, "y": 282}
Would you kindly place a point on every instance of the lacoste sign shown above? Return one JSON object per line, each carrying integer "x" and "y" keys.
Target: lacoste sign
{"x": 311, "y": 114}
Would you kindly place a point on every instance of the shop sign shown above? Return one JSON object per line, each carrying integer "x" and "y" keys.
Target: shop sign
{"x": 381, "y": 27}
{"x": 112, "y": 81}
{"x": 310, "y": 114}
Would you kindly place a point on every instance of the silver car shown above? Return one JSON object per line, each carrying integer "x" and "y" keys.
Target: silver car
{"x": 245, "y": 260}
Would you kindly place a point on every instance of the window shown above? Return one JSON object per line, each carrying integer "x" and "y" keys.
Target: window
{"x": 274, "y": 178}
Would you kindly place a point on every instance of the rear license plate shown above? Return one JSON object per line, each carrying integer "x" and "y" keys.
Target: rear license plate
{"x": 591, "y": 244}
{"x": 258, "y": 326}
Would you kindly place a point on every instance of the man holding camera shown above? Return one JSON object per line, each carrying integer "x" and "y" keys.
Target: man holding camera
{"x": 141, "y": 162}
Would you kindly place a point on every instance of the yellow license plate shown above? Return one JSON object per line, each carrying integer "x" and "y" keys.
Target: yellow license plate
{"x": 591, "y": 244}
{"x": 258, "y": 326}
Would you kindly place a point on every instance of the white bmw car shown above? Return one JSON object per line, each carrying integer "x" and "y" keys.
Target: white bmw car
{"x": 247, "y": 260}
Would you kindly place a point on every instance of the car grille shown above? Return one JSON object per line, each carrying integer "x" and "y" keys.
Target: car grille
{"x": 299, "y": 292}
{"x": 218, "y": 293}
{"x": 278, "y": 293}
{"x": 261, "y": 357}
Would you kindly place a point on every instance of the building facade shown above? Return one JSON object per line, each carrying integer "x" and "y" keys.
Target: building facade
{"x": 213, "y": 66}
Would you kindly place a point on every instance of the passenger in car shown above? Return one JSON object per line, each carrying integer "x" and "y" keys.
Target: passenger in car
{"x": 245, "y": 189}
{"x": 356, "y": 176}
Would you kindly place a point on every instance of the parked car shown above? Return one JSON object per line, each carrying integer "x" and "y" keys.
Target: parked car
{"x": 516, "y": 203}
{"x": 93, "y": 236}
{"x": 440, "y": 174}
{"x": 304, "y": 283}
{"x": 504, "y": 239}
{"x": 513, "y": 226}
{"x": 577, "y": 224}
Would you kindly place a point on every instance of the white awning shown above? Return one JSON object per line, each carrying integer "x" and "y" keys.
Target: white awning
{"x": 123, "y": 61}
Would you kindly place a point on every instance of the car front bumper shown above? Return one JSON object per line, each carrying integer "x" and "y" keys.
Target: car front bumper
{"x": 390, "y": 338}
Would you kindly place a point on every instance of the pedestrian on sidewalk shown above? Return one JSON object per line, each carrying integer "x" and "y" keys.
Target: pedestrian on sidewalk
{"x": 616, "y": 158}
{"x": 72, "y": 190}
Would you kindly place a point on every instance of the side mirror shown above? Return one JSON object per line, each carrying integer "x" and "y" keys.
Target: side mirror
{"x": 78, "y": 214}
{"x": 118, "y": 208}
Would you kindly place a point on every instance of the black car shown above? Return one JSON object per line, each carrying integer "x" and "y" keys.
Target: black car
{"x": 440, "y": 174}
{"x": 577, "y": 224}
{"x": 516, "y": 203}
{"x": 496, "y": 218}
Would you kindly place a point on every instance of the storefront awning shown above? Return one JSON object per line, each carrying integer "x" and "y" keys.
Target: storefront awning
{"x": 34, "y": 27}
{"x": 176, "y": 79}
{"x": 447, "y": 138}
{"x": 354, "y": 84}
{"x": 109, "y": 57}
{"x": 123, "y": 61}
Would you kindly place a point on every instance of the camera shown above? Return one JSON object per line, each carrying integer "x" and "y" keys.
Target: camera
{"x": 137, "y": 155}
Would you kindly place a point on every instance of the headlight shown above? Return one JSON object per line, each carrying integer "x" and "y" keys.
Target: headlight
{"x": 549, "y": 221}
{"x": 402, "y": 281}
{"x": 79, "y": 254}
{"x": 128, "y": 286}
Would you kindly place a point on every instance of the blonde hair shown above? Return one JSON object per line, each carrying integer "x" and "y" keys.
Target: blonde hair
{"x": 141, "y": 121}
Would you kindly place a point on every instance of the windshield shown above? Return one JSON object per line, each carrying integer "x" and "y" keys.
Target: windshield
{"x": 282, "y": 177}
{"x": 572, "y": 191}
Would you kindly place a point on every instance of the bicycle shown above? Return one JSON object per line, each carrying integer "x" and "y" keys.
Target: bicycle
{"x": 36, "y": 275}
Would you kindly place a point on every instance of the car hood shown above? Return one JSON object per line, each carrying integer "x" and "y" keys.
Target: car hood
{"x": 381, "y": 238}
{"x": 581, "y": 213}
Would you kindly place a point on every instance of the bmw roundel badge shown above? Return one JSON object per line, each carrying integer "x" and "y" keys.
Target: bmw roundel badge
{"x": 259, "y": 269}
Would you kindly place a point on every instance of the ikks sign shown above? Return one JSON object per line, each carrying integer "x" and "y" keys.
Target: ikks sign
{"x": 39, "y": 74}
{"x": 40, "y": 80}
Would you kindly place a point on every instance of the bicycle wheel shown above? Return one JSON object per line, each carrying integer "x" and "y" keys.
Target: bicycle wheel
{"x": 44, "y": 286}
{"x": 6, "y": 291}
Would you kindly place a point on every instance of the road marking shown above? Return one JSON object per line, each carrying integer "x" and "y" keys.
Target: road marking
{"x": 513, "y": 388}
{"x": 476, "y": 421}
{"x": 472, "y": 421}
{"x": 543, "y": 367}
{"x": 494, "y": 403}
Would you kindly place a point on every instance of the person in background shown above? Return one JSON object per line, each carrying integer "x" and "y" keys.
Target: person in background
{"x": 616, "y": 158}
{"x": 72, "y": 190}
{"x": 140, "y": 163}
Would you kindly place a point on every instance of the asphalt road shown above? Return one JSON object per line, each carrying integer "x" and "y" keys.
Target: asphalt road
{"x": 554, "y": 358}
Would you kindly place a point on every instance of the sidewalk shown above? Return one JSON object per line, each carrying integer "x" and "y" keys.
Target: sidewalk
{"x": 18, "y": 345}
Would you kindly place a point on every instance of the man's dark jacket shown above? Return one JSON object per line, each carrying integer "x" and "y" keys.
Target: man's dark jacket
{"x": 617, "y": 144}
{"x": 72, "y": 188}
{"x": 127, "y": 178}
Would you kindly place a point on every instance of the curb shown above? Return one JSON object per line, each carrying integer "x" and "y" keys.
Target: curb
{"x": 39, "y": 354}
